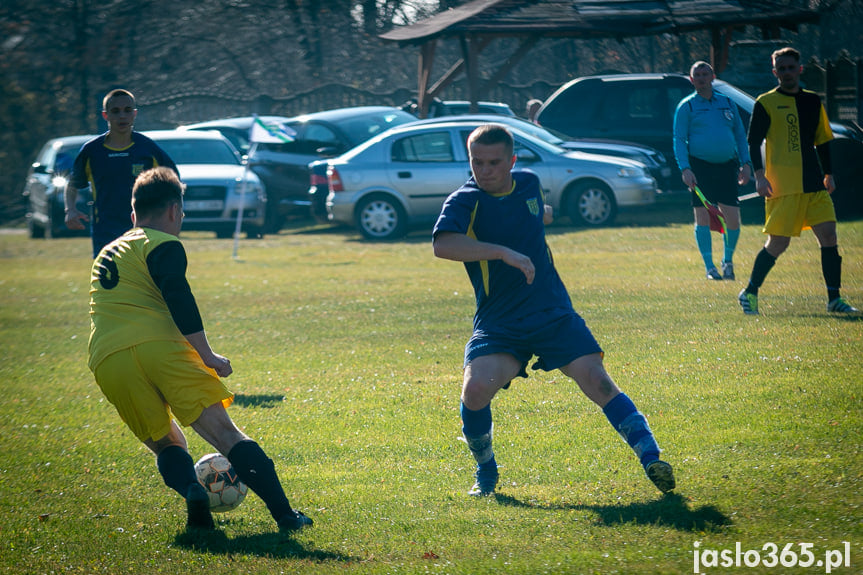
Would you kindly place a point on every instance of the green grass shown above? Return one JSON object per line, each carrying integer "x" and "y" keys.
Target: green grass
{"x": 347, "y": 359}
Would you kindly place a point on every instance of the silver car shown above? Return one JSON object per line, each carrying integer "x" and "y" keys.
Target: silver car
{"x": 401, "y": 178}
{"x": 215, "y": 176}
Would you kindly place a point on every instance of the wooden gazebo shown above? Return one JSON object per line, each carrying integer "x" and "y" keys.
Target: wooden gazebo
{"x": 477, "y": 23}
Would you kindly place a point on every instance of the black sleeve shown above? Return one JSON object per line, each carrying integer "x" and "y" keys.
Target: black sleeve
{"x": 167, "y": 266}
{"x": 825, "y": 157}
{"x": 758, "y": 125}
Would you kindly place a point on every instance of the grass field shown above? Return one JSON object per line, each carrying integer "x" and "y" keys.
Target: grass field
{"x": 347, "y": 359}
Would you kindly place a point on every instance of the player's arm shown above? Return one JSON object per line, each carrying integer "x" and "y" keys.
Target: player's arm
{"x": 681, "y": 144}
{"x": 462, "y": 248}
{"x": 758, "y": 126}
{"x": 75, "y": 219}
{"x": 167, "y": 265}
{"x": 823, "y": 137}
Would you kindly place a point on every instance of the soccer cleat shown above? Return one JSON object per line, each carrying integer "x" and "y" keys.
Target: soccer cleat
{"x": 661, "y": 474}
{"x": 294, "y": 521}
{"x": 839, "y": 305}
{"x": 749, "y": 302}
{"x": 486, "y": 481}
{"x": 728, "y": 271}
{"x": 198, "y": 508}
{"x": 713, "y": 274}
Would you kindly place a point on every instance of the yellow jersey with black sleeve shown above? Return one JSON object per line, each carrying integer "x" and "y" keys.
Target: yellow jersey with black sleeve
{"x": 797, "y": 132}
{"x": 139, "y": 293}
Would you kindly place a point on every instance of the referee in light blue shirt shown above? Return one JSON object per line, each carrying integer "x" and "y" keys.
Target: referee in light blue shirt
{"x": 712, "y": 152}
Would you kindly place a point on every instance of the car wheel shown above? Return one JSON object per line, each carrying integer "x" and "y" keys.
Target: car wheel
{"x": 36, "y": 231}
{"x": 381, "y": 217}
{"x": 274, "y": 221}
{"x": 591, "y": 204}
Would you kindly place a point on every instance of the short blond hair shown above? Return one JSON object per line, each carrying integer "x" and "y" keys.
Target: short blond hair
{"x": 783, "y": 52}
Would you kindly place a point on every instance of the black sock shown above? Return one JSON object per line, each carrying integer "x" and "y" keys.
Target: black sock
{"x": 831, "y": 267}
{"x": 177, "y": 468}
{"x": 763, "y": 264}
{"x": 257, "y": 471}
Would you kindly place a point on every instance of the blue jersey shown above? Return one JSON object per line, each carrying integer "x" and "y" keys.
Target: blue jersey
{"x": 504, "y": 300}
{"x": 710, "y": 130}
{"x": 110, "y": 174}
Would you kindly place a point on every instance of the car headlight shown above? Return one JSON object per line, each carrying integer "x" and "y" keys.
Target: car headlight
{"x": 252, "y": 188}
{"x": 630, "y": 172}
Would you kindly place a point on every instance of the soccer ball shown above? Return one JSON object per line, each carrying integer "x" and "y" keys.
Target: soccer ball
{"x": 225, "y": 489}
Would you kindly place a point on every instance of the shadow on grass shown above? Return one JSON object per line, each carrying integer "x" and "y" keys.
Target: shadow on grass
{"x": 258, "y": 400}
{"x": 670, "y": 510}
{"x": 276, "y": 545}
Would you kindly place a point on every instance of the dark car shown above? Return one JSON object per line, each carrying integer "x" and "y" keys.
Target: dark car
{"x": 640, "y": 108}
{"x": 284, "y": 168}
{"x": 44, "y": 188}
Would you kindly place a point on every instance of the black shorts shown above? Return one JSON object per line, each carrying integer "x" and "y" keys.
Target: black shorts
{"x": 718, "y": 182}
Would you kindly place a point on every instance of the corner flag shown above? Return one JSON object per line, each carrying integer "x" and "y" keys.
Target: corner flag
{"x": 270, "y": 133}
{"x": 717, "y": 222}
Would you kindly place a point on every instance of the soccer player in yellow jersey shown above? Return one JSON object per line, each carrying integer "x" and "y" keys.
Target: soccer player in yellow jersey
{"x": 795, "y": 178}
{"x": 151, "y": 358}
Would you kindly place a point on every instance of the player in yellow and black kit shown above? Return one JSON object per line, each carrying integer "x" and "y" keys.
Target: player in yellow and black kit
{"x": 797, "y": 195}
{"x": 151, "y": 358}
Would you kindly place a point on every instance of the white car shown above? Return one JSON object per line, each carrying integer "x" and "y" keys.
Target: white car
{"x": 215, "y": 178}
{"x": 401, "y": 178}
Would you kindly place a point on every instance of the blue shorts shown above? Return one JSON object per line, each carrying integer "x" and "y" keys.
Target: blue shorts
{"x": 556, "y": 341}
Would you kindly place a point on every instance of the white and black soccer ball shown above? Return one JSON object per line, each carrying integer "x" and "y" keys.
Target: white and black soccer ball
{"x": 218, "y": 477}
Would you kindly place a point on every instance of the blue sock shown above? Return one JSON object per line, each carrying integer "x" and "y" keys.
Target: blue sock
{"x": 731, "y": 237}
{"x": 705, "y": 245}
{"x": 632, "y": 426}
{"x": 476, "y": 426}
{"x": 475, "y": 423}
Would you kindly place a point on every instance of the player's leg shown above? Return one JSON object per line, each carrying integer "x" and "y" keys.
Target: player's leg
{"x": 704, "y": 241}
{"x": 831, "y": 267}
{"x": 178, "y": 472}
{"x": 483, "y": 377}
{"x": 589, "y": 373}
{"x": 253, "y": 466}
{"x": 142, "y": 407}
{"x": 730, "y": 238}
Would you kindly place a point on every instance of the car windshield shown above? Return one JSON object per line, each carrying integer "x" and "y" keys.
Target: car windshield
{"x": 741, "y": 98}
{"x": 361, "y": 129}
{"x": 538, "y": 132}
{"x": 198, "y": 151}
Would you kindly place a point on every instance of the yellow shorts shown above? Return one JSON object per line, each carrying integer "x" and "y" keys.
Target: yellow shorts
{"x": 149, "y": 382}
{"x": 787, "y": 216}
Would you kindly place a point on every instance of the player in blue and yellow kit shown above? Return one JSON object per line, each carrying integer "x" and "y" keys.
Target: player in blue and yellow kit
{"x": 795, "y": 178}
{"x": 495, "y": 224}
{"x": 151, "y": 358}
{"x": 108, "y": 165}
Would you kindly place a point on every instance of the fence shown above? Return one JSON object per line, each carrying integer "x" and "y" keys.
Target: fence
{"x": 840, "y": 85}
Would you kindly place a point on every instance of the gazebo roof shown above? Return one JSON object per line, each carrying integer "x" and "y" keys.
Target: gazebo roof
{"x": 477, "y": 23}
{"x": 598, "y": 18}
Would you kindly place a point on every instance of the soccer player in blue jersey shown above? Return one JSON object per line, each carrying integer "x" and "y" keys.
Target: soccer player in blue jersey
{"x": 495, "y": 224}
{"x": 108, "y": 165}
{"x": 150, "y": 356}
{"x": 712, "y": 153}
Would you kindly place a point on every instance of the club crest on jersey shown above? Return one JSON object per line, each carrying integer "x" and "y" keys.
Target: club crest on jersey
{"x": 533, "y": 206}
{"x": 137, "y": 169}
{"x": 729, "y": 115}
